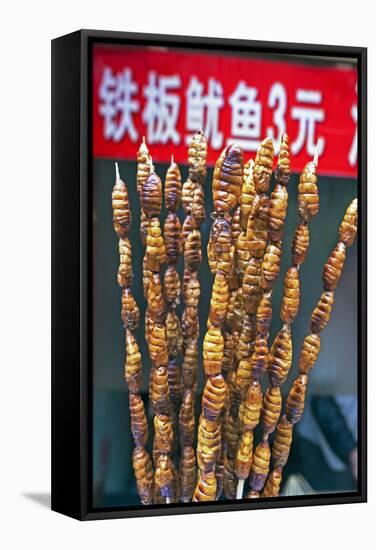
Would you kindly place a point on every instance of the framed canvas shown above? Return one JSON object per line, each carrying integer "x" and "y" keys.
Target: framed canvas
{"x": 208, "y": 274}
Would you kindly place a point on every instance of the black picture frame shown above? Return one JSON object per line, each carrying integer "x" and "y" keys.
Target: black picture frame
{"x": 71, "y": 277}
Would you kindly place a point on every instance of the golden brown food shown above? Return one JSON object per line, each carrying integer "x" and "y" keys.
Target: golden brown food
{"x": 321, "y": 314}
{"x": 139, "y": 423}
{"x": 271, "y": 265}
{"x": 151, "y": 195}
{"x": 227, "y": 179}
{"x": 187, "y": 419}
{"x": 244, "y": 455}
{"x": 247, "y": 194}
{"x": 282, "y": 443}
{"x": 155, "y": 247}
{"x": 208, "y": 443}
{"x": 277, "y": 212}
{"x": 213, "y": 351}
{"x": 190, "y": 364}
{"x": 189, "y": 187}
{"x": 198, "y": 206}
{"x": 309, "y": 353}
{"x": 291, "y": 295}
{"x": 257, "y": 227}
{"x": 264, "y": 315}
{"x": 156, "y": 304}
{"x": 271, "y": 409}
{"x": 252, "y": 406}
{"x": 121, "y": 213}
{"x": 295, "y": 399}
{"x": 348, "y": 227}
{"x": 190, "y": 324}
{"x": 220, "y": 470}
{"x": 186, "y": 229}
{"x": 229, "y": 480}
{"x": 174, "y": 336}
{"x": 187, "y": 472}
{"x": 242, "y": 253}
{"x": 333, "y": 268}
{"x": 132, "y": 367}
{"x": 125, "y": 273}
{"x": 236, "y": 228}
{"x": 174, "y": 384}
{"x": 228, "y": 353}
{"x": 160, "y": 395}
{"x": 262, "y": 170}
{"x": 283, "y": 171}
{"x": 247, "y": 337}
{"x": 143, "y": 167}
{"x": 171, "y": 287}
{"x": 163, "y": 433}
{"x": 220, "y": 247}
{"x": 213, "y": 397}
{"x": 130, "y": 314}
{"x": 197, "y": 155}
{"x": 260, "y": 466}
{"x": 164, "y": 476}
{"x": 280, "y": 358}
{"x": 206, "y": 488}
{"x": 145, "y": 276}
{"x": 259, "y": 358}
{"x": 157, "y": 344}
{"x": 251, "y": 289}
{"x": 191, "y": 289}
{"x": 300, "y": 243}
{"x": 273, "y": 483}
{"x": 308, "y": 194}
{"x": 172, "y": 238}
{"x": 192, "y": 250}
{"x": 173, "y": 187}
{"x": 232, "y": 432}
{"x": 144, "y": 222}
{"x": 243, "y": 375}
{"x": 143, "y": 471}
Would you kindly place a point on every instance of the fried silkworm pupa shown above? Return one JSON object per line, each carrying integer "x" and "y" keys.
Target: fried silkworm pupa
{"x": 300, "y": 243}
{"x": 164, "y": 476}
{"x": 283, "y": 171}
{"x": 130, "y": 314}
{"x": 271, "y": 409}
{"x": 252, "y": 406}
{"x": 282, "y": 443}
{"x": 213, "y": 351}
{"x": 198, "y": 206}
{"x": 242, "y": 254}
{"x": 309, "y": 353}
{"x": 227, "y": 179}
{"x": 132, "y": 367}
{"x": 155, "y": 247}
{"x": 145, "y": 276}
{"x": 172, "y": 238}
{"x": 251, "y": 288}
{"x": 238, "y": 310}
{"x": 260, "y": 466}
{"x": 143, "y": 471}
{"x": 151, "y": 195}
{"x": 295, "y": 399}
{"x": 121, "y": 213}
{"x": 171, "y": 287}
{"x": 262, "y": 170}
{"x": 228, "y": 353}
{"x": 348, "y": 227}
{"x": 160, "y": 395}
{"x": 190, "y": 364}
{"x": 220, "y": 470}
{"x": 264, "y": 315}
{"x": 229, "y": 319}
{"x": 139, "y": 423}
{"x": 244, "y": 455}
{"x": 186, "y": 229}
{"x": 163, "y": 434}
{"x": 206, "y": 488}
{"x": 247, "y": 194}
{"x": 229, "y": 480}
{"x": 333, "y": 268}
{"x": 125, "y": 273}
{"x": 144, "y": 222}
{"x": 277, "y": 212}
{"x": 156, "y": 305}
{"x": 291, "y": 295}
{"x": 232, "y": 427}
{"x": 191, "y": 289}
{"x": 190, "y": 324}
{"x": 247, "y": 337}
{"x": 223, "y": 247}
{"x": 187, "y": 195}
{"x": 280, "y": 357}
{"x": 259, "y": 358}
{"x": 157, "y": 344}
{"x": 213, "y": 397}
{"x": 174, "y": 336}
{"x": 308, "y": 194}
{"x": 197, "y": 155}
{"x": 143, "y": 167}
{"x": 187, "y": 472}
{"x": 174, "y": 384}
{"x": 208, "y": 443}
{"x": 192, "y": 250}
{"x": 273, "y": 483}
{"x": 173, "y": 187}
{"x": 219, "y": 299}
{"x": 187, "y": 419}
{"x": 271, "y": 265}
{"x": 235, "y": 226}
{"x": 257, "y": 228}
{"x": 252, "y": 494}
{"x": 321, "y": 314}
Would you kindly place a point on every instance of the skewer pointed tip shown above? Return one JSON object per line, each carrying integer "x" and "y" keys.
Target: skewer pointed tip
{"x": 143, "y": 140}
{"x": 317, "y": 152}
{"x": 172, "y": 158}
{"x": 117, "y": 171}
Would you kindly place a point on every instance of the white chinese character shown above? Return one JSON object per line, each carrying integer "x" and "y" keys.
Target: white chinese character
{"x": 353, "y": 154}
{"x": 246, "y": 117}
{"x": 162, "y": 108}
{"x": 117, "y": 104}
{"x": 307, "y": 117}
{"x": 197, "y": 104}
{"x": 277, "y": 100}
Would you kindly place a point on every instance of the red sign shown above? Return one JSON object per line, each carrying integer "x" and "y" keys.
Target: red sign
{"x": 168, "y": 94}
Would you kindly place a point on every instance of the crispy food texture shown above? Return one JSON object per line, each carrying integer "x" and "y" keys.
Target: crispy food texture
{"x": 228, "y": 353}
{"x": 198, "y": 206}
{"x": 187, "y": 419}
{"x": 190, "y": 364}
{"x": 309, "y": 353}
{"x": 197, "y": 155}
{"x": 174, "y": 335}
{"x": 189, "y": 187}
{"x": 163, "y": 433}
{"x": 157, "y": 344}
{"x": 206, "y": 488}
{"x": 192, "y": 250}
{"x": 155, "y": 247}
{"x": 257, "y": 227}
{"x": 242, "y": 253}
{"x": 259, "y": 358}
{"x": 271, "y": 409}
{"x": 280, "y": 358}
{"x": 300, "y": 243}
{"x": 145, "y": 276}
{"x": 283, "y": 171}
{"x": 296, "y": 398}
{"x": 308, "y": 194}
{"x": 236, "y": 228}
{"x": 174, "y": 384}
{"x": 173, "y": 187}
{"x": 260, "y": 466}
{"x": 252, "y": 406}
{"x": 277, "y": 212}
{"x": 251, "y": 289}
{"x": 208, "y": 443}
{"x": 191, "y": 289}
{"x": 172, "y": 238}
{"x": 273, "y": 483}
{"x": 186, "y": 229}
{"x": 229, "y": 480}
{"x": 262, "y": 170}
{"x": 164, "y": 476}
{"x": 264, "y": 315}
{"x": 171, "y": 287}
{"x": 244, "y": 455}
{"x": 321, "y": 314}
{"x": 187, "y": 473}
{"x": 271, "y": 265}
{"x": 130, "y": 314}
{"x": 247, "y": 337}
{"x": 227, "y": 179}
{"x": 139, "y": 423}
{"x": 190, "y": 324}
{"x": 213, "y": 397}
{"x": 247, "y": 194}
{"x": 220, "y": 247}
{"x": 125, "y": 273}
{"x": 151, "y": 195}
{"x": 156, "y": 304}
{"x": 213, "y": 351}
{"x": 132, "y": 367}
{"x": 143, "y": 471}
{"x": 333, "y": 268}
{"x": 232, "y": 427}
{"x": 144, "y": 222}
{"x": 121, "y": 213}
{"x": 160, "y": 395}
{"x": 348, "y": 227}
{"x": 291, "y": 296}
{"x": 143, "y": 167}
{"x": 282, "y": 443}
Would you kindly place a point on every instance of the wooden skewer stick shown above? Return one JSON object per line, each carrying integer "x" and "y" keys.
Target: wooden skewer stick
{"x": 316, "y": 155}
{"x": 117, "y": 171}
{"x": 239, "y": 489}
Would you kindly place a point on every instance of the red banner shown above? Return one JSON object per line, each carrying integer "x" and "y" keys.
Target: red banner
{"x": 167, "y": 94}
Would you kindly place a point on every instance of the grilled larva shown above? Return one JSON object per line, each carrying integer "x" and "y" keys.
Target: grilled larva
{"x": 213, "y": 397}
{"x": 239, "y": 311}
{"x": 172, "y": 238}
{"x": 247, "y": 337}
{"x": 191, "y": 289}
{"x": 190, "y": 364}
{"x": 221, "y": 247}
{"x": 174, "y": 384}
{"x": 156, "y": 305}
{"x": 144, "y": 222}
{"x": 187, "y": 472}
{"x": 187, "y": 419}
{"x": 171, "y": 287}
{"x": 271, "y": 409}
{"x": 283, "y": 171}
{"x": 143, "y": 471}
{"x": 260, "y": 466}
{"x": 155, "y": 247}
{"x": 271, "y": 265}
{"x": 236, "y": 228}
{"x": 192, "y": 250}
{"x": 227, "y": 179}
{"x": 164, "y": 476}
{"x": 232, "y": 427}
{"x": 229, "y": 320}
{"x": 186, "y": 229}
{"x": 309, "y": 353}
{"x": 174, "y": 336}
{"x": 190, "y": 324}
{"x": 189, "y": 187}
{"x": 264, "y": 315}
{"x": 257, "y": 228}
{"x": 273, "y": 483}
{"x": 308, "y": 195}
{"x": 348, "y": 227}
{"x": 333, "y": 268}
{"x": 252, "y": 406}
{"x": 242, "y": 254}
{"x": 173, "y": 187}
{"x": 262, "y": 170}
{"x": 243, "y": 375}
{"x": 208, "y": 443}
{"x": 296, "y": 398}
{"x": 145, "y": 276}
{"x": 251, "y": 289}
{"x": 151, "y": 195}
{"x": 244, "y": 455}
{"x": 130, "y": 314}
{"x": 259, "y": 358}
{"x": 300, "y": 243}
{"x": 132, "y": 367}
{"x": 277, "y": 212}
{"x": 219, "y": 299}
{"x": 143, "y": 167}
{"x": 229, "y": 480}
{"x": 282, "y": 443}
{"x": 321, "y": 314}
{"x": 160, "y": 395}
{"x": 139, "y": 423}
{"x": 291, "y": 295}
{"x": 206, "y": 488}
{"x": 247, "y": 194}
{"x": 163, "y": 433}
{"x": 228, "y": 353}
{"x": 198, "y": 206}
{"x": 197, "y": 155}
{"x": 157, "y": 344}
{"x": 120, "y": 207}
{"x": 125, "y": 273}
{"x": 213, "y": 351}
{"x": 280, "y": 358}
